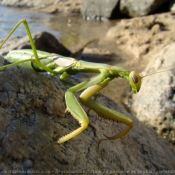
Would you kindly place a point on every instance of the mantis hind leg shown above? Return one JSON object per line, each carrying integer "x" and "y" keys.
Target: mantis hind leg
{"x": 24, "y": 22}
{"x": 74, "y": 107}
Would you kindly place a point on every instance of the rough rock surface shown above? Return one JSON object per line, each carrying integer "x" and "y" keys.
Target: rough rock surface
{"x": 143, "y": 37}
{"x": 103, "y": 9}
{"x": 32, "y": 116}
{"x": 98, "y": 9}
{"x": 155, "y": 103}
{"x": 135, "y": 8}
{"x": 139, "y": 39}
{"x": 43, "y": 41}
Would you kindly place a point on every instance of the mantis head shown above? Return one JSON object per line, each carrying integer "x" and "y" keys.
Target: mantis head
{"x": 135, "y": 81}
{"x": 135, "y": 78}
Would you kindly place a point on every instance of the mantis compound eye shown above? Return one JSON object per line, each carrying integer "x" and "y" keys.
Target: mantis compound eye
{"x": 135, "y": 81}
{"x": 135, "y": 78}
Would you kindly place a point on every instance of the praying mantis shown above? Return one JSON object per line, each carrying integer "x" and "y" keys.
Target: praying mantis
{"x": 56, "y": 64}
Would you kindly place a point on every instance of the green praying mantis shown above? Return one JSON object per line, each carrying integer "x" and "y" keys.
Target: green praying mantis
{"x": 66, "y": 66}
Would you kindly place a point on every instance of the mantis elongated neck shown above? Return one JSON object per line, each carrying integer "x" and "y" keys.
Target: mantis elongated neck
{"x": 116, "y": 71}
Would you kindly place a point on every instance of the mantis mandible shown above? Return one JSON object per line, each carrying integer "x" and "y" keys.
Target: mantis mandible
{"x": 66, "y": 66}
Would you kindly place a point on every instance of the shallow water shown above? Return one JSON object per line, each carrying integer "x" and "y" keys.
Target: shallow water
{"x": 69, "y": 29}
{"x": 10, "y": 16}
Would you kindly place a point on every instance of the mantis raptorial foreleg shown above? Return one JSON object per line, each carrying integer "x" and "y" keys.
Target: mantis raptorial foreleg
{"x": 104, "y": 111}
{"x": 110, "y": 115}
{"x": 75, "y": 108}
{"x": 93, "y": 86}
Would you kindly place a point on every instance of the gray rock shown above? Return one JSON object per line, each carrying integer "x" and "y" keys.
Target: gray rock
{"x": 98, "y": 9}
{"x": 139, "y": 39}
{"x": 91, "y": 9}
{"x": 155, "y": 103}
{"x": 33, "y": 115}
{"x": 135, "y": 8}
